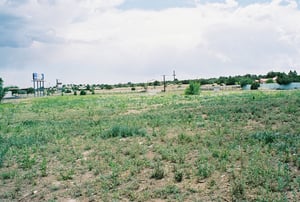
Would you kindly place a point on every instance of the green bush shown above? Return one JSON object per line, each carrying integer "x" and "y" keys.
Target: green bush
{"x": 8, "y": 175}
{"x": 238, "y": 190}
{"x": 123, "y": 131}
{"x": 255, "y": 86}
{"x": 283, "y": 79}
{"x": 245, "y": 81}
{"x": 205, "y": 170}
{"x": 193, "y": 89}
{"x": 1, "y": 89}
{"x": 82, "y": 92}
{"x": 158, "y": 172}
{"x": 178, "y": 176}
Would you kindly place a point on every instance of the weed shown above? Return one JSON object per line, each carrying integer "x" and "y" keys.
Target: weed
{"x": 178, "y": 175}
{"x": 212, "y": 183}
{"x": 123, "y": 132}
{"x": 26, "y": 162}
{"x": 158, "y": 172}
{"x": 8, "y": 175}
{"x": 67, "y": 174}
{"x": 167, "y": 191}
{"x": 43, "y": 167}
{"x": 54, "y": 188}
{"x": 238, "y": 190}
{"x": 204, "y": 171}
{"x": 184, "y": 139}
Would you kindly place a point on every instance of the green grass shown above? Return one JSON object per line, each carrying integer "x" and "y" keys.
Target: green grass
{"x": 216, "y": 146}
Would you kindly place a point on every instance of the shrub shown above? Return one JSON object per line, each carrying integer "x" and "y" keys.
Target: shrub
{"x": 255, "y": 86}
{"x": 124, "y": 131}
{"x": 238, "y": 190}
{"x": 204, "y": 171}
{"x": 178, "y": 176}
{"x": 283, "y": 79}
{"x": 183, "y": 138}
{"x": 164, "y": 193}
{"x": 266, "y": 137}
{"x": 82, "y": 92}
{"x": 67, "y": 175}
{"x": 108, "y": 87}
{"x": 1, "y": 89}
{"x": 245, "y": 81}
{"x": 158, "y": 172}
{"x": 8, "y": 175}
{"x": 193, "y": 89}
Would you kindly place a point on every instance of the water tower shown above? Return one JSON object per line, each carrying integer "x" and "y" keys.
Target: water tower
{"x": 38, "y": 84}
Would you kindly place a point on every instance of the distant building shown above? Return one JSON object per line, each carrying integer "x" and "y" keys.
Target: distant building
{"x": 264, "y": 80}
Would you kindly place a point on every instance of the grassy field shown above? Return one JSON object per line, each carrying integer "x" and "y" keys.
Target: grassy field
{"x": 218, "y": 146}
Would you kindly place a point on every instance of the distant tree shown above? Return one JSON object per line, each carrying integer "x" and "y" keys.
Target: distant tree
{"x": 185, "y": 81}
{"x": 22, "y": 92}
{"x": 88, "y": 87}
{"x": 270, "y": 81}
{"x": 294, "y": 76}
{"x": 245, "y": 81}
{"x": 221, "y": 80}
{"x": 272, "y": 74}
{"x": 204, "y": 81}
{"x": 1, "y": 89}
{"x": 82, "y": 92}
{"x": 230, "y": 81}
{"x": 30, "y": 90}
{"x": 193, "y": 89}
{"x": 75, "y": 88}
{"x": 14, "y": 89}
{"x": 50, "y": 91}
{"x": 254, "y": 86}
{"x": 156, "y": 83}
{"x": 108, "y": 87}
{"x": 68, "y": 91}
{"x": 176, "y": 81}
{"x": 283, "y": 79}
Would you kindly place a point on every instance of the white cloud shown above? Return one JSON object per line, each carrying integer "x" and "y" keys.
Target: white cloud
{"x": 93, "y": 41}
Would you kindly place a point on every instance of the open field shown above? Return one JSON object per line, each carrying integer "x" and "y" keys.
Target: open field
{"x": 218, "y": 146}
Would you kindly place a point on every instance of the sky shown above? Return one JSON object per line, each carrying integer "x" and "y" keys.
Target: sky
{"x": 120, "y": 41}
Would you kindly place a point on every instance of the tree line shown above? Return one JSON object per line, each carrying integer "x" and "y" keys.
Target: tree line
{"x": 248, "y": 79}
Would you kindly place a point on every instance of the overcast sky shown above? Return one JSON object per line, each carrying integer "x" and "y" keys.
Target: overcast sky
{"x": 117, "y": 41}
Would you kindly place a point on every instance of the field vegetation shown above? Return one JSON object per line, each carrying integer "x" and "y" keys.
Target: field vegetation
{"x": 216, "y": 146}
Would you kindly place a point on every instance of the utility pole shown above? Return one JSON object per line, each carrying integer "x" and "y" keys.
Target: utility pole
{"x": 165, "y": 85}
{"x": 174, "y": 75}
